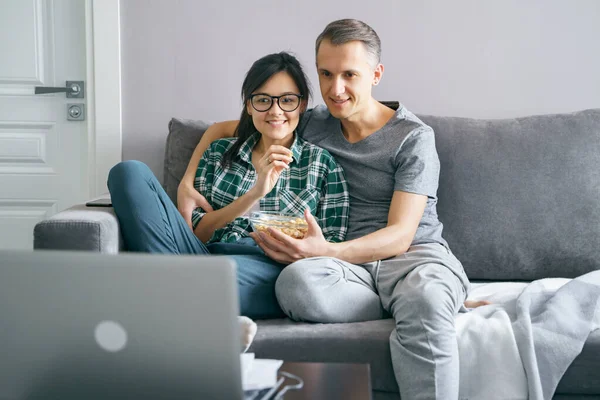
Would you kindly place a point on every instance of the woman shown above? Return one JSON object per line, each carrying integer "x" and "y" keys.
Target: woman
{"x": 267, "y": 166}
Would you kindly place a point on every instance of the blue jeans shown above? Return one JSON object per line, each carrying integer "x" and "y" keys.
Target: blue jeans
{"x": 151, "y": 223}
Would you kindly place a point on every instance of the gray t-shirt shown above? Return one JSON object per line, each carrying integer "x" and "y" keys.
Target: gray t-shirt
{"x": 399, "y": 156}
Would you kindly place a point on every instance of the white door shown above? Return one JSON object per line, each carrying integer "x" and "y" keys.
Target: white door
{"x": 43, "y": 156}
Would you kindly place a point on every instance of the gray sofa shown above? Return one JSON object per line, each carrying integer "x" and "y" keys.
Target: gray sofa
{"x": 519, "y": 200}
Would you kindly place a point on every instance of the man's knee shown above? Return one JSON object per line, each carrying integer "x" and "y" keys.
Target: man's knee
{"x": 431, "y": 292}
{"x": 301, "y": 289}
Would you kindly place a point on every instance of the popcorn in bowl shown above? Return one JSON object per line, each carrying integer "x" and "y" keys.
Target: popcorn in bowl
{"x": 292, "y": 225}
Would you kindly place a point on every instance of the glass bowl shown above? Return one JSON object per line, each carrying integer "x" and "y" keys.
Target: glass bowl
{"x": 292, "y": 225}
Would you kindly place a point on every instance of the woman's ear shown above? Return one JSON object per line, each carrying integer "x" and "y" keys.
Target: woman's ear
{"x": 303, "y": 106}
{"x": 249, "y": 108}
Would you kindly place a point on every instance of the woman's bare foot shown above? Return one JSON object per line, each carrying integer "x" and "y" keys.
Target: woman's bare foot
{"x": 475, "y": 304}
{"x": 248, "y": 330}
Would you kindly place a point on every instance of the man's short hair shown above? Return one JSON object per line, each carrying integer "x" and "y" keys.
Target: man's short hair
{"x": 347, "y": 30}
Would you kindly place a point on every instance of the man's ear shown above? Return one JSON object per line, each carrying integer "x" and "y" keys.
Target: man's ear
{"x": 377, "y": 74}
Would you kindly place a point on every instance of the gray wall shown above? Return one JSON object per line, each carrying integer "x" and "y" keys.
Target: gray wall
{"x": 473, "y": 58}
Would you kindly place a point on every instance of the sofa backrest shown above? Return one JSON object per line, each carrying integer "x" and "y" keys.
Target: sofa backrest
{"x": 184, "y": 135}
{"x": 519, "y": 198}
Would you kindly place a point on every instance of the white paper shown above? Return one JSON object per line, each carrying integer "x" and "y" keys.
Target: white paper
{"x": 258, "y": 373}
{"x": 246, "y": 361}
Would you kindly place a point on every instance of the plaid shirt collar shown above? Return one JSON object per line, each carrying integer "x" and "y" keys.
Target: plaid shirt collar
{"x": 245, "y": 152}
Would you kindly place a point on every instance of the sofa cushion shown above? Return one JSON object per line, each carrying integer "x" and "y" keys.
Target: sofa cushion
{"x": 368, "y": 342}
{"x": 358, "y": 342}
{"x": 520, "y": 198}
{"x": 184, "y": 135}
{"x": 80, "y": 228}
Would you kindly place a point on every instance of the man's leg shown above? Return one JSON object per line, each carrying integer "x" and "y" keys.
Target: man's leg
{"x": 148, "y": 219}
{"x": 423, "y": 290}
{"x": 324, "y": 289}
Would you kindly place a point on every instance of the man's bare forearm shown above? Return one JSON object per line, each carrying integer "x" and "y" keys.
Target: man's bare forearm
{"x": 384, "y": 243}
{"x": 216, "y": 131}
{"x": 406, "y": 210}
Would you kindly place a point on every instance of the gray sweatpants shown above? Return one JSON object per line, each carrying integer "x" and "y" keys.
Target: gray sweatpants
{"x": 422, "y": 289}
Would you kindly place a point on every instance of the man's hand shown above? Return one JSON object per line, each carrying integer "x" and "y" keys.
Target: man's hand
{"x": 188, "y": 199}
{"x": 285, "y": 249}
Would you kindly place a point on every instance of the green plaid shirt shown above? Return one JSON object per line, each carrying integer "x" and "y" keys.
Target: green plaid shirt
{"x": 314, "y": 180}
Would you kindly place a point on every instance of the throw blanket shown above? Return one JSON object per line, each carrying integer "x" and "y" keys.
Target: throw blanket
{"x": 520, "y": 347}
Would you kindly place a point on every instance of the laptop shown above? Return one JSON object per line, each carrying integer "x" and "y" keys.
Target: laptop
{"x": 77, "y": 325}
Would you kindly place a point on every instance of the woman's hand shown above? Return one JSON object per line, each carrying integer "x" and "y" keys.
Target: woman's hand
{"x": 269, "y": 168}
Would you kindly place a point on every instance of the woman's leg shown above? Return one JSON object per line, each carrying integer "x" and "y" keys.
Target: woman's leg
{"x": 256, "y": 277}
{"x": 148, "y": 219}
{"x": 245, "y": 245}
{"x": 151, "y": 223}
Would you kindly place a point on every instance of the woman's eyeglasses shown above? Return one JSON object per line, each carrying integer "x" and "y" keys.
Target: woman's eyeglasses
{"x": 264, "y": 102}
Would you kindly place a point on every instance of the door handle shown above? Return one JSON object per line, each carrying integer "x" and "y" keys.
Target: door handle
{"x": 73, "y": 89}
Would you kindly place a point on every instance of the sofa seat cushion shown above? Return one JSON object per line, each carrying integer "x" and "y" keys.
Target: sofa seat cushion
{"x": 359, "y": 342}
{"x": 368, "y": 342}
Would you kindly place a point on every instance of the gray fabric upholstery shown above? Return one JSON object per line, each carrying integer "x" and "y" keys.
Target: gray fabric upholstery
{"x": 359, "y": 342}
{"x": 80, "y": 228}
{"x": 513, "y": 193}
{"x": 519, "y": 197}
{"x": 184, "y": 135}
{"x": 368, "y": 342}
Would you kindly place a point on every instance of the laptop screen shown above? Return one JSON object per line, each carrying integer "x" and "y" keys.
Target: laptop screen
{"x": 90, "y": 325}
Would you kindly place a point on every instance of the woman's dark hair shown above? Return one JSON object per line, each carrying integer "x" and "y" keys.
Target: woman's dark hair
{"x": 260, "y": 72}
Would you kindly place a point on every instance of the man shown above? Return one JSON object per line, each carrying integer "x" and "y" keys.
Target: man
{"x": 394, "y": 260}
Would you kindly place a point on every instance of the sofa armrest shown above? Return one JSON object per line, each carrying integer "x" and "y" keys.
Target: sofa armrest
{"x": 80, "y": 228}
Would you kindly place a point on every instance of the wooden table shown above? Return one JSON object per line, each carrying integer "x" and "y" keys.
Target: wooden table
{"x": 329, "y": 381}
